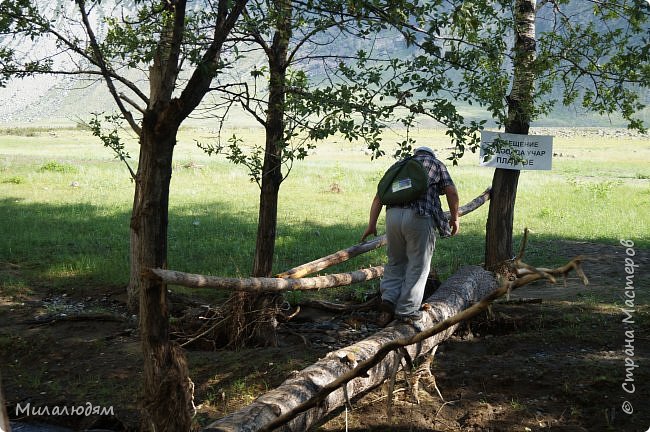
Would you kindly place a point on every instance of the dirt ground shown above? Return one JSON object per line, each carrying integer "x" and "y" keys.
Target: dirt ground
{"x": 551, "y": 358}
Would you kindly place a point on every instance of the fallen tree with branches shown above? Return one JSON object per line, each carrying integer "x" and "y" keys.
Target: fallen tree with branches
{"x": 294, "y": 280}
{"x": 309, "y": 396}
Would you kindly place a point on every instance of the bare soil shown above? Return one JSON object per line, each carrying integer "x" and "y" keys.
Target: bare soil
{"x": 551, "y": 358}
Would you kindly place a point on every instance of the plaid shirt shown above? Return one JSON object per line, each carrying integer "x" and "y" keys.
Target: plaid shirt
{"x": 429, "y": 204}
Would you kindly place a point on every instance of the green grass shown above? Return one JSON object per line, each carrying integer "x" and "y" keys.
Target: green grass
{"x": 65, "y": 205}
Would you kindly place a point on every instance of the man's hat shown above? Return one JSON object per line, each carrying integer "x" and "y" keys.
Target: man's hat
{"x": 425, "y": 149}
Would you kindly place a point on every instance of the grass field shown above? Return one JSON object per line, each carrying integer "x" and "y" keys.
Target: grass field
{"x": 65, "y": 204}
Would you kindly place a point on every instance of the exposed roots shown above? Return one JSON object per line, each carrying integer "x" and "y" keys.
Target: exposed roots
{"x": 170, "y": 375}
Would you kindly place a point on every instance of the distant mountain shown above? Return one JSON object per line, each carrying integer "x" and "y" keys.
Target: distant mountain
{"x": 65, "y": 99}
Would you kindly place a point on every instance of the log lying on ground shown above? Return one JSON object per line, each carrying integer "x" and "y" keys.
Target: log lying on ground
{"x": 460, "y": 291}
{"x": 258, "y": 285}
{"x": 345, "y": 254}
{"x": 310, "y": 395}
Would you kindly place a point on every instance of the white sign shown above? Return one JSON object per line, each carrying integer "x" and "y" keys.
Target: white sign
{"x": 516, "y": 152}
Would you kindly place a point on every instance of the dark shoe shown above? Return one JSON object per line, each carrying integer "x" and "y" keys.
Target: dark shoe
{"x": 416, "y": 322}
{"x": 386, "y": 306}
{"x": 386, "y": 313}
{"x": 384, "y": 318}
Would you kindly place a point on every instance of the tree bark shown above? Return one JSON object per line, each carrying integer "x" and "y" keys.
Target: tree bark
{"x": 167, "y": 387}
{"x": 460, "y": 291}
{"x": 275, "y": 140}
{"x": 335, "y": 258}
{"x": 499, "y": 227}
{"x": 253, "y": 318}
{"x": 265, "y": 285}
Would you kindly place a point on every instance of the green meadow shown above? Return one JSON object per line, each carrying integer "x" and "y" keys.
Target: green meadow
{"x": 65, "y": 203}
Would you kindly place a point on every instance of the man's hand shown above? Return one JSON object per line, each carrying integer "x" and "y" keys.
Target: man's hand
{"x": 369, "y": 230}
{"x": 375, "y": 209}
{"x": 452, "y": 201}
{"x": 455, "y": 226}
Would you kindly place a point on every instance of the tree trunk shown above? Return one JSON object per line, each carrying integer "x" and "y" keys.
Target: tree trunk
{"x": 466, "y": 287}
{"x": 258, "y": 313}
{"x": 275, "y": 141}
{"x": 167, "y": 386}
{"x": 499, "y": 227}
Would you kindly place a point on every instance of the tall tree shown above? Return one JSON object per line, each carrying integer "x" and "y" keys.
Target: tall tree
{"x": 294, "y": 116}
{"x": 277, "y": 54}
{"x": 499, "y": 226}
{"x": 518, "y": 60}
{"x": 157, "y": 38}
{"x": 607, "y": 72}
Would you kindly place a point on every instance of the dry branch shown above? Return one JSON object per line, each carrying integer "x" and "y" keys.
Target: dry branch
{"x": 258, "y": 285}
{"x": 338, "y": 307}
{"x": 525, "y": 273}
{"x": 473, "y": 204}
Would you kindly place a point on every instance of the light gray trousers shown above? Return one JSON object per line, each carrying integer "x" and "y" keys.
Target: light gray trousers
{"x": 411, "y": 242}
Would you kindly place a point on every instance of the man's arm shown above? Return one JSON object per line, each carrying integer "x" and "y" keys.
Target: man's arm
{"x": 375, "y": 209}
{"x": 452, "y": 201}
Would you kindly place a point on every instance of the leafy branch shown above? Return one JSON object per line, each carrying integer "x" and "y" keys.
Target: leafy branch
{"x": 112, "y": 139}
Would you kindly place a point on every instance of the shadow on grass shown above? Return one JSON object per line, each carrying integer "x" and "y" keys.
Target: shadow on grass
{"x": 67, "y": 246}
{"x": 82, "y": 245}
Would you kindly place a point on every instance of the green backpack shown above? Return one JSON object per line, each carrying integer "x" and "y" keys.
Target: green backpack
{"x": 403, "y": 182}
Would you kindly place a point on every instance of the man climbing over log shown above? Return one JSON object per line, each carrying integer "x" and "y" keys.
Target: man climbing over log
{"x": 411, "y": 240}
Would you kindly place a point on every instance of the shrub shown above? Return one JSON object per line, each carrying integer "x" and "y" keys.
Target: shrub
{"x": 14, "y": 180}
{"x": 54, "y": 166}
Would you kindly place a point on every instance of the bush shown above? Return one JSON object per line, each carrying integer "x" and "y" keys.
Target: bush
{"x": 14, "y": 180}
{"x": 54, "y": 166}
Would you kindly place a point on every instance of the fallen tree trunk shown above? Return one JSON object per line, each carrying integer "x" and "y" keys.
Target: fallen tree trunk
{"x": 261, "y": 284}
{"x": 466, "y": 287}
{"x": 335, "y": 258}
{"x": 358, "y": 249}
{"x": 308, "y": 397}
{"x": 292, "y": 280}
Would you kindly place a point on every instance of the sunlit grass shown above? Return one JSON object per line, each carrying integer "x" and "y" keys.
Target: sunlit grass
{"x": 70, "y": 221}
